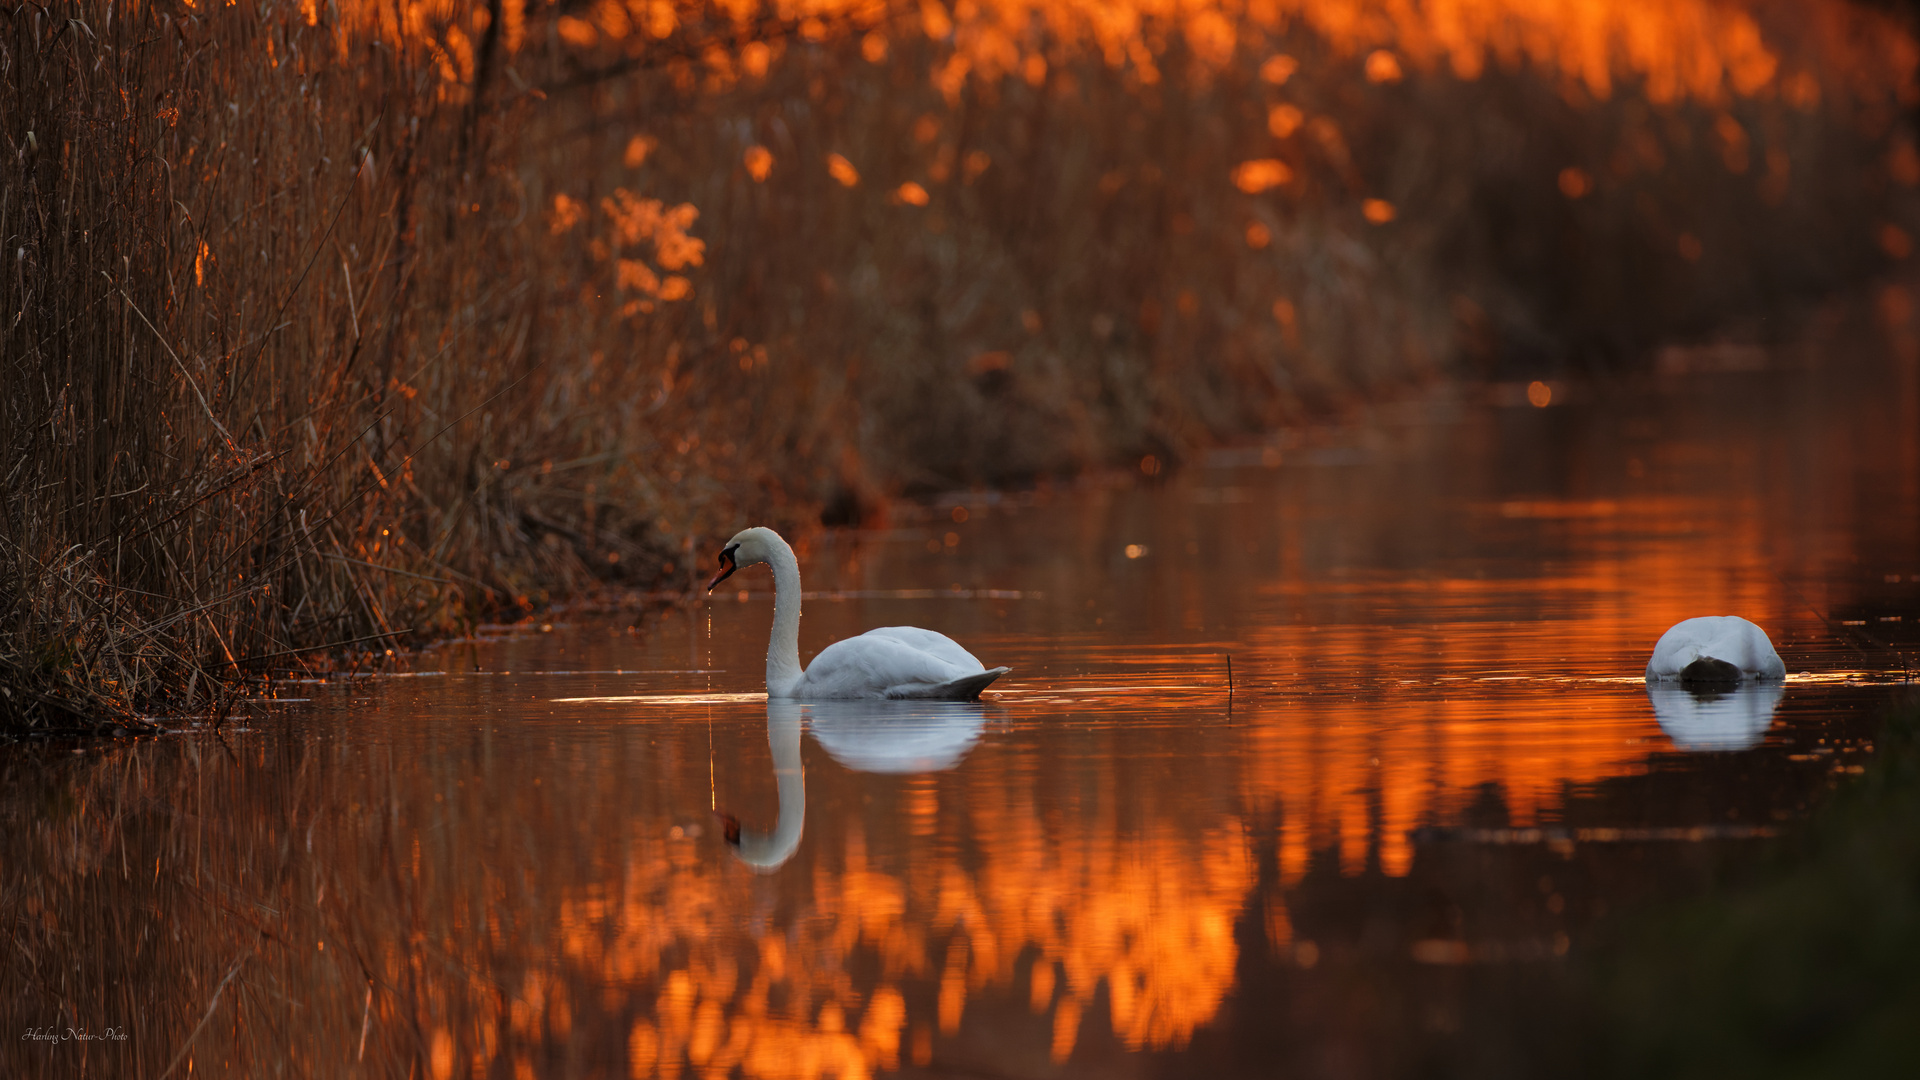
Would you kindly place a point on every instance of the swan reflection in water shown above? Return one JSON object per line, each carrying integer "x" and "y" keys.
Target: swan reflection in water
{"x": 867, "y": 736}
{"x": 1730, "y": 718}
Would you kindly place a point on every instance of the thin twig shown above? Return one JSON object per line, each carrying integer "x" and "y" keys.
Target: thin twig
{"x": 232, "y": 970}
{"x": 384, "y": 569}
{"x": 217, "y": 425}
{"x": 366, "y": 1024}
{"x": 331, "y": 645}
{"x": 365, "y": 154}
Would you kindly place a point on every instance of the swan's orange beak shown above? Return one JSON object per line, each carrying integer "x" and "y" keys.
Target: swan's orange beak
{"x": 727, "y": 567}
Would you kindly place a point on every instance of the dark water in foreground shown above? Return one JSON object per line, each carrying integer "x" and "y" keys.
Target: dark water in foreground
{"x": 1435, "y": 783}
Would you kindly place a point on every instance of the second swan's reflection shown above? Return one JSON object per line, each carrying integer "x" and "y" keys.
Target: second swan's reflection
{"x": 1731, "y": 719}
{"x": 867, "y": 736}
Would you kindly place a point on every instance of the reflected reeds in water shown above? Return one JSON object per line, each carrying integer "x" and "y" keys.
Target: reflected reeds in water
{"x": 1733, "y": 718}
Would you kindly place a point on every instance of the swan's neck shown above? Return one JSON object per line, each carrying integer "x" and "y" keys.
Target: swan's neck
{"x": 783, "y": 647}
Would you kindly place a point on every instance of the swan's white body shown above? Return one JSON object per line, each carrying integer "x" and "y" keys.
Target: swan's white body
{"x": 891, "y": 662}
{"x": 1714, "y": 649}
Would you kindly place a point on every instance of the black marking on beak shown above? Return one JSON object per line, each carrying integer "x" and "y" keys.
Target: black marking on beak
{"x": 727, "y": 566}
{"x": 729, "y": 827}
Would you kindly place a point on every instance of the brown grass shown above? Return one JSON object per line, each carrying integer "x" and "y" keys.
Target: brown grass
{"x": 341, "y": 333}
{"x": 266, "y": 375}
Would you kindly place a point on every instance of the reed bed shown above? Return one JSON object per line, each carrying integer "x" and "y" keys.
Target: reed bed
{"x": 342, "y": 326}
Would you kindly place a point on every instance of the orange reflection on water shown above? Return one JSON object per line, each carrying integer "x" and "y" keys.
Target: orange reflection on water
{"x": 1142, "y": 906}
{"x": 1141, "y": 899}
{"x": 1426, "y": 716}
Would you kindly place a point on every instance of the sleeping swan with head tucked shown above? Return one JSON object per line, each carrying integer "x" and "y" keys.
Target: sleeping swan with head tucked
{"x": 1714, "y": 650}
{"x": 891, "y": 662}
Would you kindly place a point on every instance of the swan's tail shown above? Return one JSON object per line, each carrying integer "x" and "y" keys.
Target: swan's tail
{"x": 964, "y": 688}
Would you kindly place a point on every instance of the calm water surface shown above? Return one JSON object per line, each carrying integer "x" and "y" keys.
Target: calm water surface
{"x": 1434, "y": 776}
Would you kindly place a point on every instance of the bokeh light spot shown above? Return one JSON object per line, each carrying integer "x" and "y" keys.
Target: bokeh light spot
{"x": 1383, "y": 67}
{"x": 1261, "y": 174}
{"x": 842, "y": 170}
{"x": 759, "y": 162}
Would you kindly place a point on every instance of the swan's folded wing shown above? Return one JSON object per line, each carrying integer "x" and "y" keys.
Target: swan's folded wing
{"x": 932, "y": 643}
{"x": 878, "y": 663}
{"x": 1746, "y": 647}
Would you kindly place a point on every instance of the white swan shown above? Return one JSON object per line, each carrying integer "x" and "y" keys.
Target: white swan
{"x": 1714, "y": 650}
{"x": 891, "y": 662}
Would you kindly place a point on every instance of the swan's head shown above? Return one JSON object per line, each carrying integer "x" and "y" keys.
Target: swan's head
{"x": 748, "y": 546}
{"x": 763, "y": 852}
